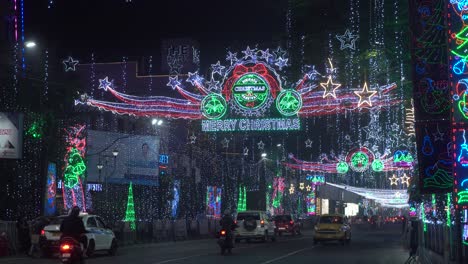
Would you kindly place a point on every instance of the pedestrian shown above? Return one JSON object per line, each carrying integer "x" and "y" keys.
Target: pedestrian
{"x": 403, "y": 226}
{"x": 23, "y": 234}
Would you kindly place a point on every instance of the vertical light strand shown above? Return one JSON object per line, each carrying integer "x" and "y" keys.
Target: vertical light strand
{"x": 15, "y": 73}
{"x": 124, "y": 73}
{"x": 15, "y": 7}
{"x": 23, "y": 59}
{"x": 46, "y": 73}
{"x": 150, "y": 72}
{"x": 289, "y": 26}
{"x": 93, "y": 74}
{"x": 449, "y": 208}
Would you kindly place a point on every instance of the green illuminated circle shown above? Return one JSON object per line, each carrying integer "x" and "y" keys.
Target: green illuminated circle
{"x": 378, "y": 165}
{"x": 213, "y": 106}
{"x": 250, "y": 91}
{"x": 289, "y": 102}
{"x": 342, "y": 167}
{"x": 359, "y": 161}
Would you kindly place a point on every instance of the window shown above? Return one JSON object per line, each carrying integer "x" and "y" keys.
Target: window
{"x": 91, "y": 222}
{"x": 244, "y": 216}
{"x": 331, "y": 220}
{"x": 101, "y": 223}
{"x": 283, "y": 218}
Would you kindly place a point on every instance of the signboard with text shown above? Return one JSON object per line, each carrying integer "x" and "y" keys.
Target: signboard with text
{"x": 11, "y": 135}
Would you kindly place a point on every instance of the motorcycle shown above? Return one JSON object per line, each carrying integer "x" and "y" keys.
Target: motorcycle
{"x": 225, "y": 242}
{"x": 70, "y": 251}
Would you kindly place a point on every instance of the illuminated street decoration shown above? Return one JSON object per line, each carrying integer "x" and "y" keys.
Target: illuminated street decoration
{"x": 412, "y": 211}
{"x": 378, "y": 165}
{"x": 316, "y": 179}
{"x": 242, "y": 199}
{"x": 427, "y": 148}
{"x": 360, "y": 159}
{"x": 75, "y": 169}
{"x": 405, "y": 179}
{"x": 460, "y": 167}
{"x": 347, "y": 40}
{"x": 462, "y": 157}
{"x": 278, "y": 190}
{"x": 291, "y": 188}
{"x": 245, "y": 88}
{"x": 36, "y": 129}
{"x": 70, "y": 64}
{"x": 213, "y": 201}
{"x": 244, "y": 124}
{"x": 449, "y": 209}
{"x": 311, "y": 202}
{"x": 301, "y": 186}
{"x": 289, "y": 102}
{"x": 365, "y": 96}
{"x": 308, "y": 143}
{"x": 393, "y": 180}
{"x": 342, "y": 167}
{"x": 403, "y": 158}
{"x": 130, "y": 212}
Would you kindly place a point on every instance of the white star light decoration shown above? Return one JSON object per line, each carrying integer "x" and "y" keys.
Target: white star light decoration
{"x": 301, "y": 186}
{"x": 70, "y": 64}
{"x": 329, "y": 87}
{"x": 250, "y": 53}
{"x": 194, "y": 78}
{"x": 265, "y": 54}
{"x": 173, "y": 82}
{"x": 231, "y": 57}
{"x": 365, "y": 96}
{"x": 393, "y": 180}
{"x": 308, "y": 143}
{"x": 439, "y": 136}
{"x": 217, "y": 68}
{"x": 104, "y": 83}
{"x": 261, "y": 145}
{"x": 281, "y": 63}
{"x": 193, "y": 138}
{"x": 308, "y": 188}
{"x": 225, "y": 143}
{"x": 405, "y": 179}
{"x": 279, "y": 53}
{"x": 347, "y": 40}
{"x": 312, "y": 73}
{"x": 212, "y": 84}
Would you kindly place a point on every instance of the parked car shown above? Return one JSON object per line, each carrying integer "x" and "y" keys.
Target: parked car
{"x": 99, "y": 236}
{"x": 332, "y": 227}
{"x": 254, "y": 225}
{"x": 287, "y": 224}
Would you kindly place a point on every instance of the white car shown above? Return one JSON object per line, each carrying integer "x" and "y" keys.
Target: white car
{"x": 100, "y": 236}
{"x": 254, "y": 225}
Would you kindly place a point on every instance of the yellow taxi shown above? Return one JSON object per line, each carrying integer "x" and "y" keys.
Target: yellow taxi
{"x": 331, "y": 227}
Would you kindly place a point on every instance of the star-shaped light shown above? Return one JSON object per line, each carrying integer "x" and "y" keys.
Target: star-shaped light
{"x": 365, "y": 96}
{"x": 217, "y": 68}
{"x": 266, "y": 55}
{"x": 393, "y": 180}
{"x": 212, "y": 84}
{"x": 395, "y": 127}
{"x": 301, "y": 186}
{"x": 439, "y": 136}
{"x": 249, "y": 53}
{"x": 246, "y": 151}
{"x": 261, "y": 145}
{"x": 312, "y": 73}
{"x": 193, "y": 138}
{"x": 347, "y": 40}
{"x": 225, "y": 143}
{"x": 281, "y": 63}
{"x": 329, "y": 87}
{"x": 231, "y": 57}
{"x": 173, "y": 82}
{"x": 104, "y": 83}
{"x": 279, "y": 52}
{"x": 291, "y": 189}
{"x": 70, "y": 64}
{"x": 405, "y": 179}
{"x": 308, "y": 188}
{"x": 308, "y": 143}
{"x": 193, "y": 78}
{"x": 398, "y": 194}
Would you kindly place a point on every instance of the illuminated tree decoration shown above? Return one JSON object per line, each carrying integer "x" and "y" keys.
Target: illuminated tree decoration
{"x": 311, "y": 203}
{"x": 342, "y": 167}
{"x": 75, "y": 168}
{"x": 461, "y": 51}
{"x": 213, "y": 106}
{"x": 365, "y": 96}
{"x": 242, "y": 200}
{"x": 359, "y": 161}
{"x": 462, "y": 106}
{"x": 130, "y": 212}
{"x": 289, "y": 102}
{"x": 378, "y": 165}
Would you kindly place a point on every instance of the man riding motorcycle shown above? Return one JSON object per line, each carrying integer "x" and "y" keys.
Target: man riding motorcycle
{"x": 227, "y": 223}
{"x": 72, "y": 226}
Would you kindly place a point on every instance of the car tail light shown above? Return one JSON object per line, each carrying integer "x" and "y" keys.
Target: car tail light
{"x": 262, "y": 222}
{"x": 291, "y": 222}
{"x": 223, "y": 232}
{"x": 235, "y": 222}
{"x": 42, "y": 232}
{"x": 65, "y": 247}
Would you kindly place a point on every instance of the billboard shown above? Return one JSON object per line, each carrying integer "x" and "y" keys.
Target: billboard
{"x": 137, "y": 160}
{"x": 11, "y": 135}
{"x": 51, "y": 190}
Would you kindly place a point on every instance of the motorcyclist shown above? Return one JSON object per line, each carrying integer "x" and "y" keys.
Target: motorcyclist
{"x": 72, "y": 226}
{"x": 227, "y": 223}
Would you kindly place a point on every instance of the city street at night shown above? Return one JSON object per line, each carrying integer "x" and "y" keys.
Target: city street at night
{"x": 367, "y": 247}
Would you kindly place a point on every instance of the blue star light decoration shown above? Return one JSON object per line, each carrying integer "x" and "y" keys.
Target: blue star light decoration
{"x": 173, "y": 82}
{"x": 212, "y": 84}
{"x": 281, "y": 63}
{"x": 266, "y": 55}
{"x": 194, "y": 78}
{"x": 347, "y": 40}
{"x": 217, "y": 68}
{"x": 104, "y": 83}
{"x": 70, "y": 64}
{"x": 312, "y": 73}
{"x": 250, "y": 53}
{"x": 232, "y": 57}
{"x": 279, "y": 53}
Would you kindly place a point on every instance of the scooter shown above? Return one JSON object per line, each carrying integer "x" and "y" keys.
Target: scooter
{"x": 225, "y": 242}
{"x": 70, "y": 251}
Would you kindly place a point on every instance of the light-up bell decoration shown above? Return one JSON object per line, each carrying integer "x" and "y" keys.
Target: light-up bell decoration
{"x": 427, "y": 148}
{"x": 462, "y": 157}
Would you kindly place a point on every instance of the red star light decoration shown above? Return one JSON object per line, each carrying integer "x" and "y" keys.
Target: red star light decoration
{"x": 365, "y": 96}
